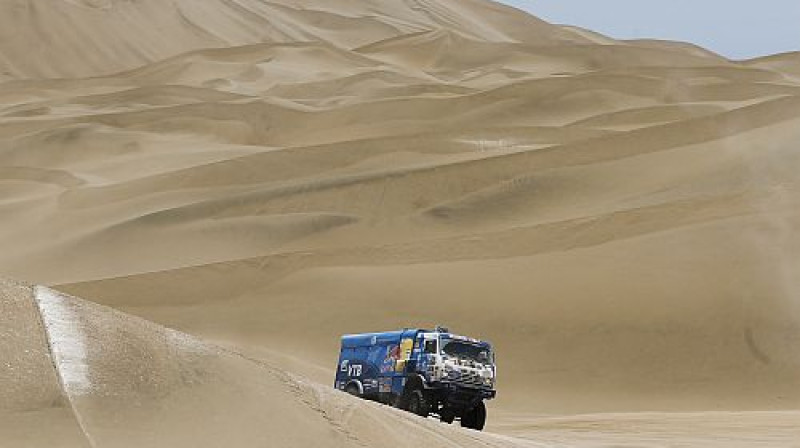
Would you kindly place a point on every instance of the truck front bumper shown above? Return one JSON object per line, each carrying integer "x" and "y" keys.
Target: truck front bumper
{"x": 468, "y": 393}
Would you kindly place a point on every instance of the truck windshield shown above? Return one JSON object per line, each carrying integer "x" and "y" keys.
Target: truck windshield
{"x": 465, "y": 350}
{"x": 430, "y": 346}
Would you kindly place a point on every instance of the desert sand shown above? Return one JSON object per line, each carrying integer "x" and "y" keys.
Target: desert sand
{"x": 231, "y": 185}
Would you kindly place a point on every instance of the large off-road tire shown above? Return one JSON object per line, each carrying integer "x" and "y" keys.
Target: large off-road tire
{"x": 447, "y": 416}
{"x": 475, "y": 418}
{"x": 353, "y": 389}
{"x": 417, "y": 403}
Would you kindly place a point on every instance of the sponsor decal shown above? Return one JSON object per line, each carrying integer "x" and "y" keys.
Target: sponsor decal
{"x": 392, "y": 355}
{"x": 354, "y": 370}
{"x": 406, "y": 345}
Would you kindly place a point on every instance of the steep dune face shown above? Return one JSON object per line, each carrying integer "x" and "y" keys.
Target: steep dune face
{"x": 32, "y": 396}
{"x": 620, "y": 218}
{"x": 86, "y": 375}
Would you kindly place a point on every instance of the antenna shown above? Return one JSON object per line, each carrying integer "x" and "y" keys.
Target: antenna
{"x": 442, "y": 329}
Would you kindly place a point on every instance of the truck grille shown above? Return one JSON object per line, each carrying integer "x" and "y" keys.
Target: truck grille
{"x": 469, "y": 379}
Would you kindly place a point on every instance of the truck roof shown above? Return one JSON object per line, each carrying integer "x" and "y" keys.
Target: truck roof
{"x": 366, "y": 339}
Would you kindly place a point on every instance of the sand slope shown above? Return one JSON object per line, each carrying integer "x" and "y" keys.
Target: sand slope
{"x": 32, "y": 396}
{"x": 103, "y": 378}
{"x": 619, "y": 217}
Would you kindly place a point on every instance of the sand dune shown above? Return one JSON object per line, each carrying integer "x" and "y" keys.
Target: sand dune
{"x": 103, "y": 378}
{"x": 87, "y": 37}
{"x": 619, "y": 217}
{"x": 787, "y": 63}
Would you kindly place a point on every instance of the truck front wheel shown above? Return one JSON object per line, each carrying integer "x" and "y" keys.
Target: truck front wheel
{"x": 418, "y": 403}
{"x": 475, "y": 418}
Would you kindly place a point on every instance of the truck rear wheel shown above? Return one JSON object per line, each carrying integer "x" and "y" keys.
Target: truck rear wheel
{"x": 418, "y": 403}
{"x": 475, "y": 418}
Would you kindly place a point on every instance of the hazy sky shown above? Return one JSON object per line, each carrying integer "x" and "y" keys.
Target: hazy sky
{"x": 737, "y": 29}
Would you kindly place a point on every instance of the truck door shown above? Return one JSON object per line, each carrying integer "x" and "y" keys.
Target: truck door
{"x": 428, "y": 348}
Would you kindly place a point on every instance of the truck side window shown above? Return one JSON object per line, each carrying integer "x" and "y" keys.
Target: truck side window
{"x": 430, "y": 346}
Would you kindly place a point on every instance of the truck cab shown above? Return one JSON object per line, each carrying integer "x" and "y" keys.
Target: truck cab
{"x": 427, "y": 372}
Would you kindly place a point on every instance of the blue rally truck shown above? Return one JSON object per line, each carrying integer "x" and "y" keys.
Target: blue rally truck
{"x": 424, "y": 372}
